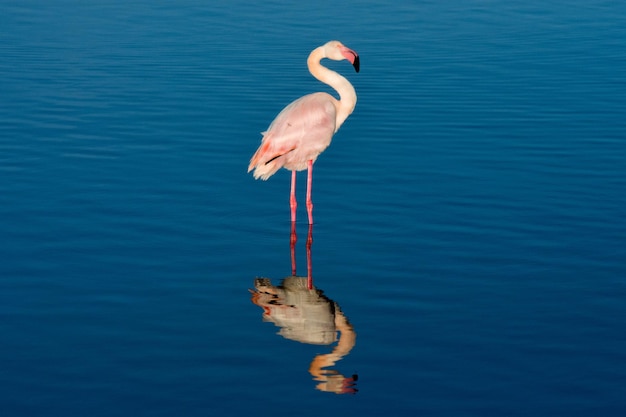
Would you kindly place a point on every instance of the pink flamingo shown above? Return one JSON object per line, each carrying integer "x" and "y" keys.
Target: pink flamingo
{"x": 304, "y": 128}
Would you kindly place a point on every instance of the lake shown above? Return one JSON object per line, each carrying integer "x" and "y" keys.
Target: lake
{"x": 468, "y": 255}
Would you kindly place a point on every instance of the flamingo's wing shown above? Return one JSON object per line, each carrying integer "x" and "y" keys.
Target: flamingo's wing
{"x": 298, "y": 134}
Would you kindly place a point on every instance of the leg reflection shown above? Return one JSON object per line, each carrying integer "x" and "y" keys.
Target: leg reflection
{"x": 292, "y": 243}
{"x": 293, "y": 239}
{"x": 309, "y": 268}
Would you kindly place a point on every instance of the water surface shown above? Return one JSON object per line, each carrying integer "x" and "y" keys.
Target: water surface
{"x": 469, "y": 214}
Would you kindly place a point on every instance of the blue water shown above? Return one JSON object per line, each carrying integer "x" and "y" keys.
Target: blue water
{"x": 470, "y": 216}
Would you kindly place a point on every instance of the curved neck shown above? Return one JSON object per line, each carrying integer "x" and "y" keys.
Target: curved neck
{"x": 347, "y": 95}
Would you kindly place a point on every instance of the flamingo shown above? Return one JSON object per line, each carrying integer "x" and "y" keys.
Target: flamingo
{"x": 304, "y": 129}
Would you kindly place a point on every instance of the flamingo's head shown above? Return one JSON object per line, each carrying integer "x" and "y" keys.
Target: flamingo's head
{"x": 335, "y": 50}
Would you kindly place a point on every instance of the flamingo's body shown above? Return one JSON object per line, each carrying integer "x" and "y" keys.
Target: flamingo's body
{"x": 306, "y": 127}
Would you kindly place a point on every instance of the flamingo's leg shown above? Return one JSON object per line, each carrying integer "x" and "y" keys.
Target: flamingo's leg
{"x": 292, "y": 197}
{"x": 309, "y": 181}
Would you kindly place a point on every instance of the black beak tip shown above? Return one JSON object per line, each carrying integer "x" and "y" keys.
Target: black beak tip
{"x": 357, "y": 63}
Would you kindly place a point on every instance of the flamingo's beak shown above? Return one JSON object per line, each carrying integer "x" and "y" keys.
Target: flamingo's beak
{"x": 357, "y": 63}
{"x": 351, "y": 56}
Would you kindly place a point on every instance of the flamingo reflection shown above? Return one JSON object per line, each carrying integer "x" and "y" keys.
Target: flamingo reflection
{"x": 306, "y": 315}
